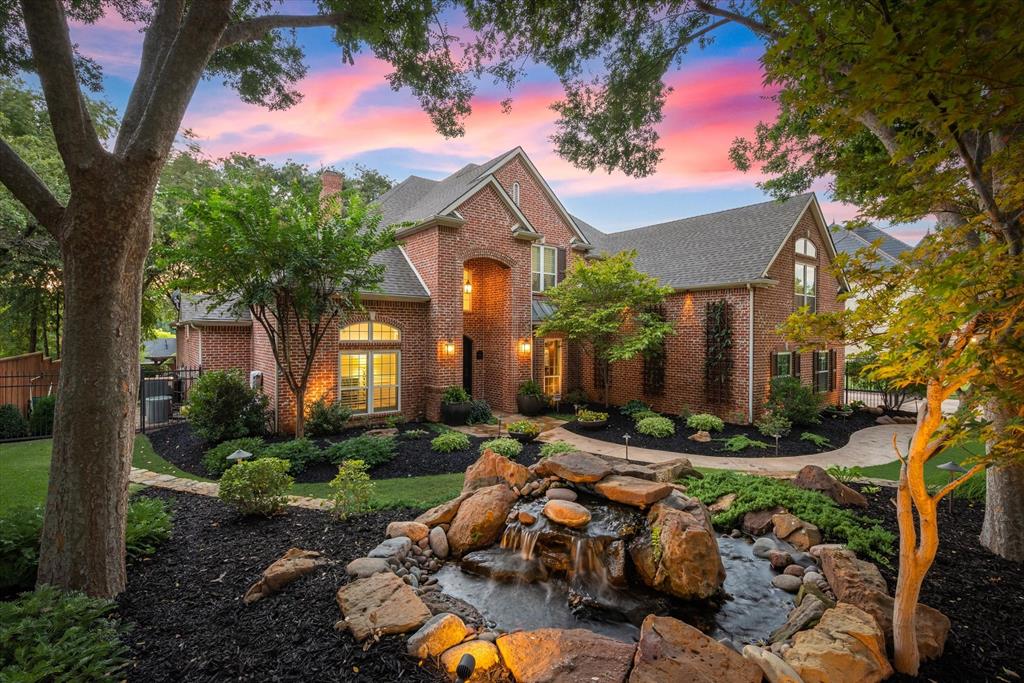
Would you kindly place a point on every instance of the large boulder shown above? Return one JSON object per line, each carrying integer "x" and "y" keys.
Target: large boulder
{"x": 846, "y": 646}
{"x": 795, "y": 531}
{"x": 441, "y": 632}
{"x": 814, "y": 478}
{"x": 480, "y": 519}
{"x": 551, "y": 655}
{"x": 670, "y": 650}
{"x": 282, "y": 571}
{"x": 575, "y": 466}
{"x": 775, "y": 669}
{"x": 413, "y": 530}
{"x": 485, "y": 657}
{"x": 759, "y": 522}
{"x": 632, "y": 491}
{"x": 567, "y": 513}
{"x": 847, "y": 574}
{"x": 381, "y": 604}
{"x": 680, "y": 553}
{"x": 491, "y": 468}
{"x": 443, "y": 513}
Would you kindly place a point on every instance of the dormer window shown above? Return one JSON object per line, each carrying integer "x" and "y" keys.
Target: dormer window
{"x": 515, "y": 193}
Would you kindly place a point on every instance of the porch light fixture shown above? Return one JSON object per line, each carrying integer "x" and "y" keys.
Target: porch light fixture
{"x": 467, "y": 286}
{"x": 524, "y": 345}
{"x": 448, "y": 347}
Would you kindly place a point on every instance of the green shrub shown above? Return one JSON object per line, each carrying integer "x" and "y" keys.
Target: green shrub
{"x": 585, "y": 415}
{"x": 372, "y": 450}
{"x": 300, "y": 453}
{"x": 973, "y": 489}
{"x": 524, "y": 427}
{"x": 576, "y": 397}
{"x": 12, "y": 424}
{"x": 325, "y": 418}
{"x": 40, "y": 421}
{"x": 221, "y": 406}
{"x": 633, "y": 406}
{"x": 659, "y": 427}
{"x": 20, "y": 528}
{"x": 454, "y": 394}
{"x": 510, "y": 448}
{"x": 798, "y": 403}
{"x": 480, "y": 413}
{"x": 817, "y": 439}
{"x": 351, "y": 489}
{"x": 449, "y": 442}
{"x": 775, "y": 425}
{"x": 862, "y": 534}
{"x": 257, "y": 487}
{"x": 47, "y": 635}
{"x": 215, "y": 460}
{"x": 644, "y": 414}
{"x": 705, "y": 422}
{"x": 530, "y": 387}
{"x": 844, "y": 475}
{"x": 556, "y": 448}
{"x": 735, "y": 444}
{"x": 148, "y": 525}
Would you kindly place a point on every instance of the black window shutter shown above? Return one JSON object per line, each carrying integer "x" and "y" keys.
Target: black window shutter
{"x": 831, "y": 369}
{"x": 775, "y": 364}
{"x": 560, "y": 264}
{"x": 796, "y": 364}
{"x": 815, "y": 374}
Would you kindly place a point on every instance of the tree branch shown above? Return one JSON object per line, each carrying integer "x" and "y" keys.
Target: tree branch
{"x": 29, "y": 189}
{"x": 754, "y": 25}
{"x": 251, "y": 29}
{"x": 53, "y": 58}
{"x": 948, "y": 488}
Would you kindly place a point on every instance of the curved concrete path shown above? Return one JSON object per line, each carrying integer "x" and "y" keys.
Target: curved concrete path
{"x": 869, "y": 446}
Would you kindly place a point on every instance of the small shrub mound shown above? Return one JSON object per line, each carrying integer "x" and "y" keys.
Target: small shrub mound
{"x": 705, "y": 422}
{"x": 449, "y": 442}
{"x": 659, "y": 427}
{"x": 862, "y": 534}
{"x": 325, "y": 418}
{"x": 149, "y": 525}
{"x": 300, "y": 453}
{"x": 12, "y": 424}
{"x": 454, "y": 394}
{"x": 510, "y": 448}
{"x": 351, "y": 489}
{"x": 524, "y": 427}
{"x": 591, "y": 416}
{"x": 257, "y": 487}
{"x": 555, "y": 448}
{"x": 221, "y": 406}
{"x": 644, "y": 414}
{"x": 40, "y": 422}
{"x": 735, "y": 444}
{"x": 215, "y": 460}
{"x": 798, "y": 403}
{"x": 372, "y": 450}
{"x": 47, "y": 635}
{"x": 633, "y": 406}
{"x": 480, "y": 413}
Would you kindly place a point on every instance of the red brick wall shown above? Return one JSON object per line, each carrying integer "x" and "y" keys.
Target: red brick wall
{"x": 226, "y": 348}
{"x": 189, "y": 342}
{"x": 263, "y": 360}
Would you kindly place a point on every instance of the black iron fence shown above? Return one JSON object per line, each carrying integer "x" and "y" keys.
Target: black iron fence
{"x": 872, "y": 393}
{"x": 162, "y": 393}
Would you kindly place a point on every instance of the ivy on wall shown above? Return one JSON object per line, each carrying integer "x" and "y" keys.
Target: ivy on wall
{"x": 717, "y": 351}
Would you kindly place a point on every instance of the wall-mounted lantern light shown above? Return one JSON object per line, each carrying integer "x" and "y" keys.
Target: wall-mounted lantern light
{"x": 524, "y": 345}
{"x": 448, "y": 348}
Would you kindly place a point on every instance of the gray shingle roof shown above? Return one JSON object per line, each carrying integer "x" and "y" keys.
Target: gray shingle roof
{"x": 198, "y": 309}
{"x": 400, "y": 278}
{"x": 721, "y": 248}
{"x": 160, "y": 348}
{"x": 850, "y": 241}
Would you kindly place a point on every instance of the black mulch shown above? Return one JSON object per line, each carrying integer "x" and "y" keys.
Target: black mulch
{"x": 179, "y": 445}
{"x": 190, "y": 623}
{"x": 981, "y": 593}
{"x": 836, "y": 430}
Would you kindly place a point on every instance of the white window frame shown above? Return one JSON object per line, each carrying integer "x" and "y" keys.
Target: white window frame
{"x": 811, "y": 299}
{"x": 805, "y": 247}
{"x": 370, "y": 383}
{"x": 540, "y": 249}
{"x": 515, "y": 193}
{"x": 822, "y": 376}
{"x": 369, "y": 332}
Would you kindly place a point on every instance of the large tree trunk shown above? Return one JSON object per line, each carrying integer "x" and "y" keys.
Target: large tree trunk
{"x": 105, "y": 237}
{"x": 1003, "y": 529}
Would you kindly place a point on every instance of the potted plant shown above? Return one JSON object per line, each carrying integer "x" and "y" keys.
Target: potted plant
{"x": 523, "y": 431}
{"x": 456, "y": 405}
{"x": 843, "y": 411}
{"x": 591, "y": 419}
{"x": 530, "y": 398}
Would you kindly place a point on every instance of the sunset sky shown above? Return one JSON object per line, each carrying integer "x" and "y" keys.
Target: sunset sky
{"x": 350, "y": 115}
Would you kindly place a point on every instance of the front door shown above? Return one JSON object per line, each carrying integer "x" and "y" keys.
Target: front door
{"x": 467, "y": 364}
{"x": 553, "y": 367}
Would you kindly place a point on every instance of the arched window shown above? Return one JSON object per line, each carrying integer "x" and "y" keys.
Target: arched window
{"x": 369, "y": 331}
{"x": 805, "y": 247}
{"x": 369, "y": 380}
{"x": 515, "y": 193}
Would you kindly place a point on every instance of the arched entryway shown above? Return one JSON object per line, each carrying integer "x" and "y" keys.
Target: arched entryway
{"x": 489, "y": 338}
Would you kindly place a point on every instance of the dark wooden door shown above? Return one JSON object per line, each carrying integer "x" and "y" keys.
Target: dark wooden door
{"x": 467, "y": 364}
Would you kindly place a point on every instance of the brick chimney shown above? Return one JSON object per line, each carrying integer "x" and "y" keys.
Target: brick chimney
{"x": 330, "y": 183}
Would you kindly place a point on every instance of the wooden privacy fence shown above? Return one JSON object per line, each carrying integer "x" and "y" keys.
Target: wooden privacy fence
{"x": 26, "y": 378}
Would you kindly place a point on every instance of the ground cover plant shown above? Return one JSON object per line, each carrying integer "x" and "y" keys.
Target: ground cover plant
{"x": 449, "y": 442}
{"x": 555, "y": 448}
{"x": 656, "y": 426}
{"x": 372, "y": 450}
{"x": 503, "y": 445}
{"x": 705, "y": 422}
{"x": 740, "y": 442}
{"x": 300, "y": 453}
{"x": 861, "y": 534}
{"x": 816, "y": 439}
{"x": 584, "y": 415}
{"x": 257, "y": 487}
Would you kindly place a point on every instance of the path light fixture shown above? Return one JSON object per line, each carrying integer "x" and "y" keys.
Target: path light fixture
{"x": 239, "y": 456}
{"x": 954, "y": 470}
{"x": 626, "y": 438}
{"x": 465, "y": 668}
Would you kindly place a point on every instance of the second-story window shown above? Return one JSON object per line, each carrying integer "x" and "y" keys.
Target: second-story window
{"x": 544, "y": 264}
{"x": 805, "y": 285}
{"x": 515, "y": 193}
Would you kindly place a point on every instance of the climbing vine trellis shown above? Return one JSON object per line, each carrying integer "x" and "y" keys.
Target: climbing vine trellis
{"x": 717, "y": 351}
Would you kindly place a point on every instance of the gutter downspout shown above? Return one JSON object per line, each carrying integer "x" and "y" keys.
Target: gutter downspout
{"x": 750, "y": 355}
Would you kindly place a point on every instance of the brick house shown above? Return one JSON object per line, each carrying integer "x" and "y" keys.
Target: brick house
{"x": 464, "y": 290}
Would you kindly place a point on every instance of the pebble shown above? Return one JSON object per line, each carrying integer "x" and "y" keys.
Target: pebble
{"x": 790, "y": 584}
{"x": 763, "y": 547}
{"x": 411, "y": 580}
{"x": 794, "y": 570}
{"x": 735, "y": 533}
{"x": 402, "y": 571}
{"x": 489, "y": 636}
{"x": 813, "y": 577}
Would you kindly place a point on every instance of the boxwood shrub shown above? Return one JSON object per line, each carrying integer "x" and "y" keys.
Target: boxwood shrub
{"x": 257, "y": 487}
{"x": 40, "y": 421}
{"x": 222, "y": 406}
{"x": 705, "y": 422}
{"x": 510, "y": 448}
{"x": 325, "y": 419}
{"x": 449, "y": 442}
{"x": 12, "y": 424}
{"x": 660, "y": 427}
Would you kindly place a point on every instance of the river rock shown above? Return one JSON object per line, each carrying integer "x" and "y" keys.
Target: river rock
{"x": 551, "y": 655}
{"x": 798, "y": 533}
{"x": 502, "y": 565}
{"x": 480, "y": 519}
{"x": 438, "y": 543}
{"x": 567, "y": 513}
{"x": 441, "y": 632}
{"x": 779, "y": 559}
{"x": 485, "y": 654}
{"x": 576, "y": 466}
{"x": 287, "y": 568}
{"x": 443, "y": 513}
{"x": 764, "y": 547}
{"x": 381, "y": 604}
{"x": 526, "y": 518}
{"x": 814, "y": 478}
{"x": 561, "y": 493}
{"x": 774, "y": 668}
{"x": 846, "y": 646}
{"x": 415, "y": 531}
{"x": 700, "y": 437}
{"x": 367, "y": 566}
{"x": 806, "y": 614}
{"x": 670, "y": 650}
{"x": 722, "y": 503}
{"x": 632, "y": 491}
{"x": 794, "y": 570}
{"x": 759, "y": 522}
{"x": 392, "y": 549}
{"x": 790, "y": 584}
{"x": 491, "y": 468}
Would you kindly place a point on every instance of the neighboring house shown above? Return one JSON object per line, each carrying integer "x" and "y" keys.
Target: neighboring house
{"x": 465, "y": 289}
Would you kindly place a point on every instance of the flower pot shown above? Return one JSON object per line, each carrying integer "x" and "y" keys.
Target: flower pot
{"x": 595, "y": 425}
{"x": 455, "y": 414}
{"x": 835, "y": 412}
{"x": 523, "y": 437}
{"x": 530, "y": 405}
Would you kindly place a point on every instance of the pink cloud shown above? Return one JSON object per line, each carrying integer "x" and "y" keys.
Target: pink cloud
{"x": 111, "y": 41}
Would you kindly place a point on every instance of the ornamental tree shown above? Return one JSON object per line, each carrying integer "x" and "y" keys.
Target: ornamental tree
{"x": 295, "y": 260}
{"x": 610, "y": 308}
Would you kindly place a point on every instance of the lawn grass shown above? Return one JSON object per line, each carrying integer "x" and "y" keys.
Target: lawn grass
{"x": 415, "y": 492}
{"x": 24, "y": 470}
{"x": 932, "y": 474}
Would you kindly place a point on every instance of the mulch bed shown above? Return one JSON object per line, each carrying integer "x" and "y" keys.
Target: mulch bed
{"x": 836, "y": 430}
{"x": 190, "y": 623}
{"x": 179, "y": 445}
{"x": 981, "y": 593}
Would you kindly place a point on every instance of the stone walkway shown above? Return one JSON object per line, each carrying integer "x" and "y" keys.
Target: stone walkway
{"x": 209, "y": 488}
{"x": 546, "y": 423}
